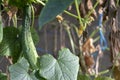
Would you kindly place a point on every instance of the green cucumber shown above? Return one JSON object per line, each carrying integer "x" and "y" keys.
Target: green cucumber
{"x": 29, "y": 49}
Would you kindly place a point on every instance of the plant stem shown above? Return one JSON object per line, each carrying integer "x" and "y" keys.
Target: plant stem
{"x": 118, "y": 2}
{"x": 91, "y": 11}
{"x": 93, "y": 33}
{"x": 81, "y": 56}
{"x": 61, "y": 35}
{"x": 67, "y": 28}
{"x": 78, "y": 12}
{"x": 71, "y": 41}
{"x": 33, "y": 17}
{"x": 1, "y": 27}
{"x": 41, "y": 2}
{"x": 71, "y": 14}
{"x": 96, "y": 39}
{"x": 14, "y": 19}
{"x": 103, "y": 72}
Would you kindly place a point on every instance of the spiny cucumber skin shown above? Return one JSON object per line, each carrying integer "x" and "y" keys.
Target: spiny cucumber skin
{"x": 29, "y": 49}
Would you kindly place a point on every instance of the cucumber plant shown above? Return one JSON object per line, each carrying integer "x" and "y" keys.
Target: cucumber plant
{"x": 29, "y": 65}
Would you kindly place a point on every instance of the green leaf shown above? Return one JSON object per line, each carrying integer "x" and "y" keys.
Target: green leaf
{"x": 103, "y": 78}
{"x": 83, "y": 77}
{"x": 19, "y": 71}
{"x": 64, "y": 68}
{"x": 10, "y": 45}
{"x": 52, "y": 9}
{"x": 35, "y": 35}
{"x": 38, "y": 75}
{"x": 21, "y": 4}
{"x": 3, "y": 76}
{"x": 32, "y": 75}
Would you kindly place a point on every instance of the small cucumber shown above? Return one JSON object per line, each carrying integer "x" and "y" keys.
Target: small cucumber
{"x": 29, "y": 49}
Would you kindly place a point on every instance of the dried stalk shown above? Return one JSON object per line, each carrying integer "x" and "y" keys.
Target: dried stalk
{"x": 55, "y": 41}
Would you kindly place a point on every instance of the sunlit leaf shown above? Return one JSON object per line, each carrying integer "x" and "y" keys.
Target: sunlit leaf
{"x": 19, "y": 71}
{"x": 64, "y": 68}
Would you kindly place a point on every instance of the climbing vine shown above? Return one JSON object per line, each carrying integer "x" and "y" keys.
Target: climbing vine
{"x": 81, "y": 61}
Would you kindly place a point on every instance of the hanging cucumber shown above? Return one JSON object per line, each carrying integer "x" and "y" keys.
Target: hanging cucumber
{"x": 29, "y": 49}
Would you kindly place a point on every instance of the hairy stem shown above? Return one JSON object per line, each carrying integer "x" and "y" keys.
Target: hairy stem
{"x": 78, "y": 12}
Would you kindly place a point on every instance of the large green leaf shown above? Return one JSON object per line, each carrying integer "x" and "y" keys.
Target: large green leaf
{"x": 19, "y": 71}
{"x": 64, "y": 68}
{"x": 10, "y": 45}
{"x": 3, "y": 76}
{"x": 52, "y": 9}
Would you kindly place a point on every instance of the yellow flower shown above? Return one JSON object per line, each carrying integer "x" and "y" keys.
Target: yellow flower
{"x": 80, "y": 30}
{"x": 59, "y": 18}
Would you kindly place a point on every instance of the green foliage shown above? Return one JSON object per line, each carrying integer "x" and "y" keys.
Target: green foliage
{"x": 1, "y": 29}
{"x": 10, "y": 45}
{"x": 35, "y": 36}
{"x": 52, "y": 9}
{"x": 15, "y": 40}
{"x": 83, "y": 77}
{"x": 0, "y": 1}
{"x": 103, "y": 78}
{"x": 64, "y": 68}
{"x": 9, "y": 41}
{"x": 3, "y": 76}
{"x": 20, "y": 71}
{"x": 38, "y": 76}
{"x": 21, "y": 4}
